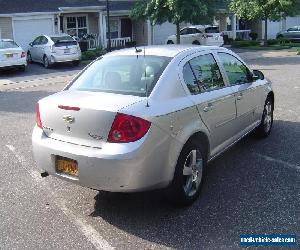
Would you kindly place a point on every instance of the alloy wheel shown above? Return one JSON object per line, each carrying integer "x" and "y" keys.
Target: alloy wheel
{"x": 192, "y": 172}
{"x": 268, "y": 117}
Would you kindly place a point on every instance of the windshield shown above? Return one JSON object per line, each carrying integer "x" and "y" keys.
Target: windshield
{"x": 8, "y": 45}
{"x": 129, "y": 75}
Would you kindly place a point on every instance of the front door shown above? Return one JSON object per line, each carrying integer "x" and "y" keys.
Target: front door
{"x": 214, "y": 99}
{"x": 248, "y": 94}
{"x": 126, "y": 27}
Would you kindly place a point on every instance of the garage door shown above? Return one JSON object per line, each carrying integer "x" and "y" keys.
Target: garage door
{"x": 26, "y": 30}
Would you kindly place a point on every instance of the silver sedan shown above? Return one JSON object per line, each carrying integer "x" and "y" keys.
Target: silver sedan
{"x": 150, "y": 118}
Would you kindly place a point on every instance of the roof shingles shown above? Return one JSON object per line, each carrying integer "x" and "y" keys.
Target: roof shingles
{"x": 27, "y": 6}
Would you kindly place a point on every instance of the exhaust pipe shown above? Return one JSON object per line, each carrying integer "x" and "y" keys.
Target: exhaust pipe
{"x": 44, "y": 174}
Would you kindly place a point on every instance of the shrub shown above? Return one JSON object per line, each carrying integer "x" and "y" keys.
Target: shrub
{"x": 92, "y": 54}
{"x": 273, "y": 41}
{"x": 248, "y": 43}
{"x": 253, "y": 36}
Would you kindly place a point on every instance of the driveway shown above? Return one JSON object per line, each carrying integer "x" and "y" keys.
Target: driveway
{"x": 254, "y": 188}
{"x": 35, "y": 70}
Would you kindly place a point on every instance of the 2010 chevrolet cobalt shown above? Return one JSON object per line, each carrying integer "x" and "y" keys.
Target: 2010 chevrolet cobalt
{"x": 141, "y": 119}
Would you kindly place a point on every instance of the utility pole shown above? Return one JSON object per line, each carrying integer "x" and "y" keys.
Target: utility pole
{"x": 108, "y": 26}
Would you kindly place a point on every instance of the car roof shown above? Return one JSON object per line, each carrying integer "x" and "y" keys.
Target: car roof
{"x": 164, "y": 50}
{"x": 202, "y": 26}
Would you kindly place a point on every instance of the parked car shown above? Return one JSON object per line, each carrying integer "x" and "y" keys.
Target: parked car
{"x": 199, "y": 35}
{"x": 136, "y": 120}
{"x": 292, "y": 34}
{"x": 54, "y": 49}
{"x": 12, "y": 55}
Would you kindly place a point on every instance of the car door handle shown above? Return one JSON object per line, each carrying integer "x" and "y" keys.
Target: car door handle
{"x": 208, "y": 107}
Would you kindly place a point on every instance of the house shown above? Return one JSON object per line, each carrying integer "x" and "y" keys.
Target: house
{"x": 23, "y": 20}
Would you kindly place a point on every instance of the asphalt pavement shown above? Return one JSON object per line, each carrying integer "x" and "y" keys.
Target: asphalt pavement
{"x": 254, "y": 188}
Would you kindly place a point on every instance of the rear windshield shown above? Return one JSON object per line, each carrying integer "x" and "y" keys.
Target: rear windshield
{"x": 128, "y": 75}
{"x": 63, "y": 41}
{"x": 212, "y": 30}
{"x": 8, "y": 45}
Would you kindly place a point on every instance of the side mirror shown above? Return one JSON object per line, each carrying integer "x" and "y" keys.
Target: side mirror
{"x": 257, "y": 75}
{"x": 30, "y": 44}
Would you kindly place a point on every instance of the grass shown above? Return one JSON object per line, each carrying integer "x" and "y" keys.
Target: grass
{"x": 273, "y": 45}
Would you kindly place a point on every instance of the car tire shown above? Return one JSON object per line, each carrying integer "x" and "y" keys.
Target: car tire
{"x": 196, "y": 42}
{"x": 29, "y": 58}
{"x": 188, "y": 177}
{"x": 75, "y": 63}
{"x": 170, "y": 42}
{"x": 265, "y": 127}
{"x": 46, "y": 62}
{"x": 22, "y": 68}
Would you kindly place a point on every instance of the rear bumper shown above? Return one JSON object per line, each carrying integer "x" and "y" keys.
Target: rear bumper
{"x": 14, "y": 63}
{"x": 64, "y": 58}
{"x": 143, "y": 165}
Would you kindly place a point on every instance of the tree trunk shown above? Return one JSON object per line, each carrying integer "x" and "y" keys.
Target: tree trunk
{"x": 178, "y": 33}
{"x": 266, "y": 32}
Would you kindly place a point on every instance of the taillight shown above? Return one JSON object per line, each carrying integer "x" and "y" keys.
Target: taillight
{"x": 38, "y": 116}
{"x": 23, "y": 54}
{"x": 127, "y": 128}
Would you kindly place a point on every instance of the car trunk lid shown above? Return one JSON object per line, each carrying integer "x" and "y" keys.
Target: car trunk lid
{"x": 10, "y": 54}
{"x": 81, "y": 117}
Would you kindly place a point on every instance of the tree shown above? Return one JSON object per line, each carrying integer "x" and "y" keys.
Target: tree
{"x": 265, "y": 10}
{"x": 174, "y": 11}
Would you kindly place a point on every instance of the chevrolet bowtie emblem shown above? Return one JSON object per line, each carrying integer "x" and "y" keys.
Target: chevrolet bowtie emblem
{"x": 69, "y": 119}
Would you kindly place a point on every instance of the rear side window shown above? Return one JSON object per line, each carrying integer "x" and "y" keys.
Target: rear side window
{"x": 8, "y": 45}
{"x": 202, "y": 74}
{"x": 236, "y": 71}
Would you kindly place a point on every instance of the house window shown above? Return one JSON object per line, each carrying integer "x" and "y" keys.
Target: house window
{"x": 114, "y": 28}
{"x": 77, "y": 26}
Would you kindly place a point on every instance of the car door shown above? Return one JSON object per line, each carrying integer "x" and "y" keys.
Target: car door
{"x": 34, "y": 48}
{"x": 40, "y": 48}
{"x": 184, "y": 36}
{"x": 215, "y": 100}
{"x": 248, "y": 94}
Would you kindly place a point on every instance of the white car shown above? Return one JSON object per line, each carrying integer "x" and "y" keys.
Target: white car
{"x": 54, "y": 49}
{"x": 12, "y": 55}
{"x": 137, "y": 120}
{"x": 199, "y": 35}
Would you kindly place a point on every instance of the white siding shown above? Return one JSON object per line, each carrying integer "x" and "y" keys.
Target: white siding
{"x": 6, "y": 28}
{"x": 275, "y": 27}
{"x": 161, "y": 32}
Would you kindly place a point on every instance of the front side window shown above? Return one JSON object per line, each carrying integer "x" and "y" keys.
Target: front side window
{"x": 202, "y": 74}
{"x": 128, "y": 75}
{"x": 37, "y": 41}
{"x": 236, "y": 71}
{"x": 184, "y": 31}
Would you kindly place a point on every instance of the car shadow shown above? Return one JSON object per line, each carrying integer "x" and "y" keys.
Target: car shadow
{"x": 25, "y": 100}
{"x": 243, "y": 193}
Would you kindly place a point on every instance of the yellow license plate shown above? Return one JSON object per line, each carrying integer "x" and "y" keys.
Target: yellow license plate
{"x": 66, "y": 166}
